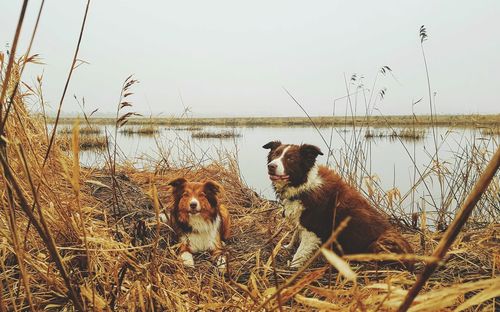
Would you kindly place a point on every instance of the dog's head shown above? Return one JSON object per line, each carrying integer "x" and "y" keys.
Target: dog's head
{"x": 290, "y": 164}
{"x": 195, "y": 199}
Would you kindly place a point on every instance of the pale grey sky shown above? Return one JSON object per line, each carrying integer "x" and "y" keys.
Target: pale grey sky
{"x": 232, "y": 58}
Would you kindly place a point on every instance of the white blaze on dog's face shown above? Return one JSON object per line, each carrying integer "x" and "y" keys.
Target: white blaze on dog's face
{"x": 289, "y": 163}
{"x": 277, "y": 164}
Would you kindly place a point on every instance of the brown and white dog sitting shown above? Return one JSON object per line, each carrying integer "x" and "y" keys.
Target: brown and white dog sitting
{"x": 310, "y": 193}
{"x": 200, "y": 221}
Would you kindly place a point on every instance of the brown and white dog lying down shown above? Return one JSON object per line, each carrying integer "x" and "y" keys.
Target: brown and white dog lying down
{"x": 199, "y": 220}
{"x": 308, "y": 193}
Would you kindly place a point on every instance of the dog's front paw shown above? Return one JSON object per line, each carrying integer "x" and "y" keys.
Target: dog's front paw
{"x": 297, "y": 262}
{"x": 221, "y": 263}
{"x": 187, "y": 259}
{"x": 163, "y": 217}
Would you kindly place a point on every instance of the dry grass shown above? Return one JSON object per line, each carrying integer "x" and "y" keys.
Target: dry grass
{"x": 146, "y": 130}
{"x": 145, "y": 271}
{"x": 86, "y": 143}
{"x": 491, "y": 131}
{"x": 188, "y": 128}
{"x": 78, "y": 253}
{"x": 93, "y": 142}
{"x": 116, "y": 263}
{"x": 86, "y": 130}
{"x": 404, "y": 134}
{"x": 409, "y": 134}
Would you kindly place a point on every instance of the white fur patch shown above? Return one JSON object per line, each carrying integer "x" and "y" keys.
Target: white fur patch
{"x": 309, "y": 243}
{"x": 293, "y": 239}
{"x": 280, "y": 167}
{"x": 204, "y": 235}
{"x": 313, "y": 181}
{"x": 293, "y": 209}
{"x": 163, "y": 217}
{"x": 187, "y": 259}
{"x": 220, "y": 262}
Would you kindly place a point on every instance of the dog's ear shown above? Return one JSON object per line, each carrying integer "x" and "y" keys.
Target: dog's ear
{"x": 177, "y": 183}
{"x": 272, "y": 145}
{"x": 310, "y": 151}
{"x": 211, "y": 187}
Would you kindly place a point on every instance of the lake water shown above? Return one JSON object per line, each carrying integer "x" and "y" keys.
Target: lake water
{"x": 387, "y": 160}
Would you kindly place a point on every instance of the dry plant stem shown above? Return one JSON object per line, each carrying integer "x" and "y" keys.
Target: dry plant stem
{"x": 19, "y": 251}
{"x": 413, "y": 160}
{"x": 275, "y": 275}
{"x": 2, "y": 304}
{"x": 12, "y": 56}
{"x": 119, "y": 122}
{"x": 58, "y": 115}
{"x": 56, "y": 121}
{"x": 333, "y": 124}
{"x": 442, "y": 213}
{"x": 155, "y": 256}
{"x": 316, "y": 254}
{"x": 313, "y": 124}
{"x": 3, "y": 151}
{"x": 114, "y": 294}
{"x": 390, "y": 257}
{"x": 76, "y": 188}
{"x": 352, "y": 116}
{"x": 42, "y": 230}
{"x": 454, "y": 228}
{"x": 26, "y": 56}
{"x": 9, "y": 288}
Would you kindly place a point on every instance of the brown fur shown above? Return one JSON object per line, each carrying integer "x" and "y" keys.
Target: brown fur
{"x": 368, "y": 231}
{"x": 207, "y": 195}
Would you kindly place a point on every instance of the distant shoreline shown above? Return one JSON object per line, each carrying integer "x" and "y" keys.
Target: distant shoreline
{"x": 466, "y": 121}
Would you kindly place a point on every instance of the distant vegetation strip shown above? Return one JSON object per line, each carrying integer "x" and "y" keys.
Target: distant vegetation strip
{"x": 405, "y": 134}
{"x": 143, "y": 129}
{"x": 213, "y": 135}
{"x": 375, "y": 121}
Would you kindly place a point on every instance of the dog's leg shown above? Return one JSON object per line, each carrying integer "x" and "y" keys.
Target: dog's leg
{"x": 221, "y": 262}
{"x": 165, "y": 218}
{"x": 309, "y": 243}
{"x": 186, "y": 256}
{"x": 293, "y": 239}
{"x": 219, "y": 257}
{"x": 392, "y": 242}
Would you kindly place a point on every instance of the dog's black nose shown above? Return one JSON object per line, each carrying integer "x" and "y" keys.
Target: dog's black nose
{"x": 193, "y": 205}
{"x": 271, "y": 166}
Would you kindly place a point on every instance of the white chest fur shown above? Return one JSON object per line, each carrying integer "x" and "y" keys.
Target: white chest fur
{"x": 293, "y": 209}
{"x": 205, "y": 234}
{"x": 309, "y": 241}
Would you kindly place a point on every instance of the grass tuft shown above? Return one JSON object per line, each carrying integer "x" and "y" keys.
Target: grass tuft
{"x": 215, "y": 135}
{"x": 408, "y": 134}
{"x": 86, "y": 142}
{"x": 87, "y": 130}
{"x": 145, "y": 130}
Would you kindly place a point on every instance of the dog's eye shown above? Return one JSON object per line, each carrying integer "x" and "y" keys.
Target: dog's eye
{"x": 185, "y": 194}
{"x": 203, "y": 194}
